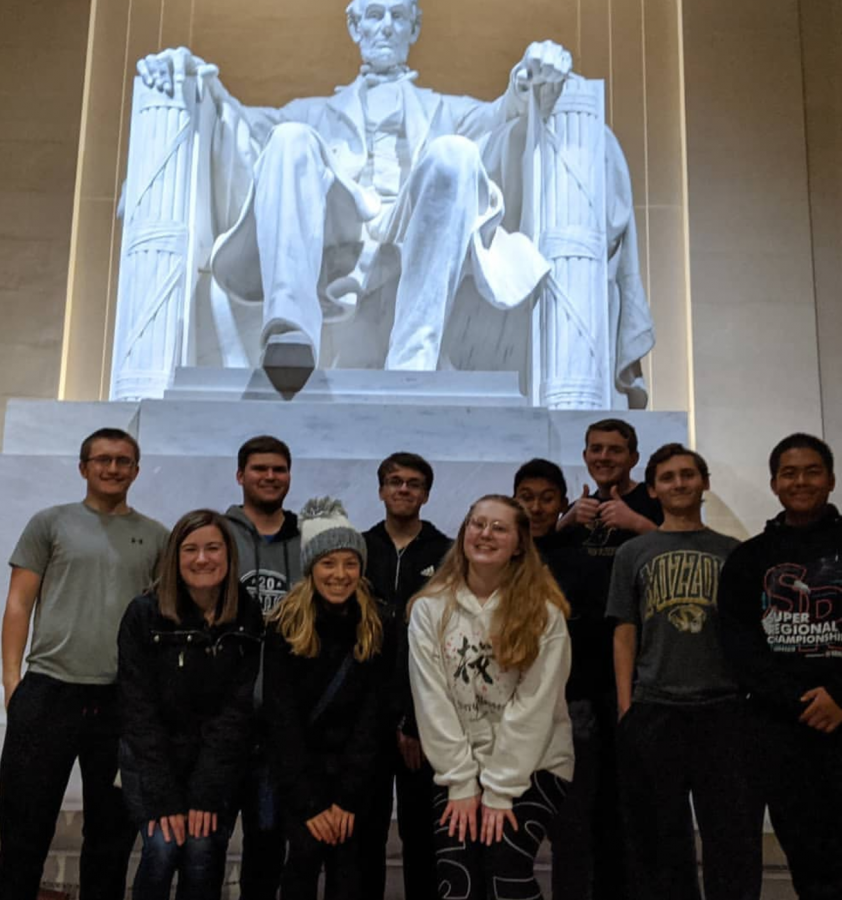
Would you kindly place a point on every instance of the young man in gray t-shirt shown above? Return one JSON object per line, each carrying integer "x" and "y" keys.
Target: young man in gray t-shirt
{"x": 682, "y": 722}
{"x": 77, "y": 566}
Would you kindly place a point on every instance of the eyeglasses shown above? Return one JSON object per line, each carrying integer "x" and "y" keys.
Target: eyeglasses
{"x": 498, "y": 528}
{"x": 104, "y": 461}
{"x": 414, "y": 484}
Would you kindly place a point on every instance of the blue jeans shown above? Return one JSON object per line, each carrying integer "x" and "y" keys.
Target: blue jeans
{"x": 200, "y": 863}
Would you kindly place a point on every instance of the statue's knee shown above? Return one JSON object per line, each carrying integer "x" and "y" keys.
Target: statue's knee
{"x": 453, "y": 156}
{"x": 292, "y": 137}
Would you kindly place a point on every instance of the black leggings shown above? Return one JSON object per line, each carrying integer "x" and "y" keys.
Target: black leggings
{"x": 468, "y": 870}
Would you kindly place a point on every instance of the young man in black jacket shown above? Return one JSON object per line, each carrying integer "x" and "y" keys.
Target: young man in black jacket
{"x": 581, "y": 557}
{"x": 269, "y": 549}
{"x": 780, "y": 611}
{"x": 403, "y": 552}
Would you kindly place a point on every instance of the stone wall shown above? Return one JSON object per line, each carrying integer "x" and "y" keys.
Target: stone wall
{"x": 42, "y": 65}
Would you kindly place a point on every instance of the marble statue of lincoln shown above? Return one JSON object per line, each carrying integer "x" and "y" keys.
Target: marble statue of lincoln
{"x": 383, "y": 180}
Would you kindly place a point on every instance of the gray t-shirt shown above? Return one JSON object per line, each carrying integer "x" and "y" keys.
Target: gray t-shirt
{"x": 665, "y": 583}
{"x": 91, "y": 566}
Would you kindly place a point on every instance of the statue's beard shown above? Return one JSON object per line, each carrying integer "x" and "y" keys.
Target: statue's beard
{"x": 393, "y": 63}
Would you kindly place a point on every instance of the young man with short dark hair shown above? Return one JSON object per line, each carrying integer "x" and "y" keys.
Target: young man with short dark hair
{"x": 403, "y": 552}
{"x": 541, "y": 489}
{"x": 269, "y": 550}
{"x": 267, "y": 535}
{"x": 620, "y": 507}
{"x": 587, "y": 849}
{"x": 780, "y": 604}
{"x": 683, "y": 721}
{"x": 78, "y": 565}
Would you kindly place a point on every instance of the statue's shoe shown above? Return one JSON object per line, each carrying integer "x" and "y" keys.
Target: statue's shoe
{"x": 288, "y": 360}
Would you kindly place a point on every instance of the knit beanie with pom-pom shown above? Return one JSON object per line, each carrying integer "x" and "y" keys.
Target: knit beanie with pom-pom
{"x": 324, "y": 528}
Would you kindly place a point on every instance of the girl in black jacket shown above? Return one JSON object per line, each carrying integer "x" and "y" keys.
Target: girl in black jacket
{"x": 188, "y": 657}
{"x": 323, "y": 701}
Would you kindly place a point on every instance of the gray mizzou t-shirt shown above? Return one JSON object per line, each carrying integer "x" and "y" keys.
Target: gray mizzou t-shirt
{"x": 665, "y": 583}
{"x": 91, "y": 566}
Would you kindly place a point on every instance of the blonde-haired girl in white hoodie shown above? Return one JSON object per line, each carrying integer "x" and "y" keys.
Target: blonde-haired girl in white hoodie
{"x": 489, "y": 660}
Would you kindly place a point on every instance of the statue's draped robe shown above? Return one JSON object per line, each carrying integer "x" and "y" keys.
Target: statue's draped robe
{"x": 490, "y": 324}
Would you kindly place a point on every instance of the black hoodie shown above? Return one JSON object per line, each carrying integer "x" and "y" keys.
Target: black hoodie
{"x": 780, "y": 612}
{"x": 396, "y": 575}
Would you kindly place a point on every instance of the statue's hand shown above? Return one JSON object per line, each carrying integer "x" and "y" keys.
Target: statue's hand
{"x": 167, "y": 70}
{"x": 545, "y": 65}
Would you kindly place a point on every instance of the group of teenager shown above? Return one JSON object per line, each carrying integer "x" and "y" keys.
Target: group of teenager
{"x": 572, "y": 671}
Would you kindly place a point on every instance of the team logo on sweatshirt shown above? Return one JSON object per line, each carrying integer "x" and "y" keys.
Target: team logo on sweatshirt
{"x": 268, "y": 587}
{"x": 803, "y": 608}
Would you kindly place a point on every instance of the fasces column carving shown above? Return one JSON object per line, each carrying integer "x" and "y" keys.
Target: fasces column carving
{"x": 162, "y": 239}
{"x": 571, "y": 348}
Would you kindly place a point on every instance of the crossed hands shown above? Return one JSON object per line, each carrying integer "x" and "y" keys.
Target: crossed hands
{"x": 463, "y": 820}
{"x": 333, "y": 826}
{"x": 178, "y": 827}
{"x": 613, "y": 513}
{"x": 822, "y": 712}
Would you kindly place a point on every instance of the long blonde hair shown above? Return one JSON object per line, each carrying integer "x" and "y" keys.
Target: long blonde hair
{"x": 521, "y": 615}
{"x": 295, "y": 618}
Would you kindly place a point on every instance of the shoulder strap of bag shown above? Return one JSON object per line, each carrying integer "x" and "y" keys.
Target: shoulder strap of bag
{"x": 332, "y": 689}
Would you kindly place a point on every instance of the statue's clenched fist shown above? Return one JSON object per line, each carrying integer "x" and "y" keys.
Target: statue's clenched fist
{"x": 167, "y": 70}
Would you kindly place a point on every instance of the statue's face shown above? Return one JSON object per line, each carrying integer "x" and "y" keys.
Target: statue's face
{"x": 385, "y": 31}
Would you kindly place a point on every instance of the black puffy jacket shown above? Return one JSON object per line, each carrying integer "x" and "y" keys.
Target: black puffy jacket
{"x": 186, "y": 694}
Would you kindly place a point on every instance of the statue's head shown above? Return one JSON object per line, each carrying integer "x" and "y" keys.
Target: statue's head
{"x": 384, "y": 30}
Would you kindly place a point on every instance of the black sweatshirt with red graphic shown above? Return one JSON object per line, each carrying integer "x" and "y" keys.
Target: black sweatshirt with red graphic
{"x": 780, "y": 612}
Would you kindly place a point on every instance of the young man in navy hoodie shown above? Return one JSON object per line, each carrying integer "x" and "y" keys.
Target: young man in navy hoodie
{"x": 780, "y": 609}
{"x": 403, "y": 552}
{"x": 269, "y": 549}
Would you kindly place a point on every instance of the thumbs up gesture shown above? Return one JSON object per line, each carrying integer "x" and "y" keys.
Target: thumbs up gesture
{"x": 616, "y": 513}
{"x": 582, "y": 512}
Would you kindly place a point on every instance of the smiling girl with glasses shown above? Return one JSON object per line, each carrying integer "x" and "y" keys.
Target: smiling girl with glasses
{"x": 489, "y": 659}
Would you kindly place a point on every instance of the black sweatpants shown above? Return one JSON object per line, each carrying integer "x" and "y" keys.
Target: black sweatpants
{"x": 574, "y": 829}
{"x": 666, "y": 753}
{"x": 415, "y": 812}
{"x": 414, "y": 791}
{"x": 801, "y": 776}
{"x": 51, "y": 723}
{"x": 306, "y": 857}
{"x": 505, "y": 870}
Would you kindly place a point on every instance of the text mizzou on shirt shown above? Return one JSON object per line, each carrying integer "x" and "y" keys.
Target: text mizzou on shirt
{"x": 666, "y": 584}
